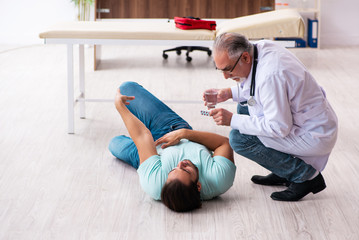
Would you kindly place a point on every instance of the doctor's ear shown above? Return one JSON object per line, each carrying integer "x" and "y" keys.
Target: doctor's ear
{"x": 246, "y": 57}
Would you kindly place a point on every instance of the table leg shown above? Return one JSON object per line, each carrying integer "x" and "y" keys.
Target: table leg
{"x": 82, "y": 80}
{"x": 70, "y": 88}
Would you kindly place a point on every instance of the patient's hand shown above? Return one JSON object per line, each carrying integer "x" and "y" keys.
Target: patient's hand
{"x": 170, "y": 139}
{"x": 121, "y": 100}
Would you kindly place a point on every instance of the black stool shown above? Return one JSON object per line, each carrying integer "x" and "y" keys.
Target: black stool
{"x": 189, "y": 49}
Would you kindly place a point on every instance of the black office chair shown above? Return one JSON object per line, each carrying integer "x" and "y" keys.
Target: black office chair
{"x": 189, "y": 49}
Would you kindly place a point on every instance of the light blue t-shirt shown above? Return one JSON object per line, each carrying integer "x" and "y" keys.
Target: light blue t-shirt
{"x": 216, "y": 174}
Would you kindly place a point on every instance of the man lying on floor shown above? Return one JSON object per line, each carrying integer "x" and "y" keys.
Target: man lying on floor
{"x": 187, "y": 166}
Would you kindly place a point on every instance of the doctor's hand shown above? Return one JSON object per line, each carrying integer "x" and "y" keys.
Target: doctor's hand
{"x": 224, "y": 94}
{"x": 221, "y": 116}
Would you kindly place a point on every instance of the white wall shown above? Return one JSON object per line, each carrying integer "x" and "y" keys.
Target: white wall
{"x": 22, "y": 20}
{"x": 340, "y": 22}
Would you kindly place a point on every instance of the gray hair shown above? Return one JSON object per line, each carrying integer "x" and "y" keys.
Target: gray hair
{"x": 233, "y": 43}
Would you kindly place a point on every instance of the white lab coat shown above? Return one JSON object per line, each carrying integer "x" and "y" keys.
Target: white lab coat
{"x": 292, "y": 114}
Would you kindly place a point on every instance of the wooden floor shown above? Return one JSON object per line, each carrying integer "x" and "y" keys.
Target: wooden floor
{"x": 59, "y": 186}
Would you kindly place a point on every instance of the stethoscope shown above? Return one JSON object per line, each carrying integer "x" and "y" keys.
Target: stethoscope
{"x": 251, "y": 101}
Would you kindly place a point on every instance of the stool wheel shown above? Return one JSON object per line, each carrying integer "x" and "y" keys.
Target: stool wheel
{"x": 164, "y": 55}
{"x": 178, "y": 52}
{"x": 209, "y": 53}
{"x": 188, "y": 59}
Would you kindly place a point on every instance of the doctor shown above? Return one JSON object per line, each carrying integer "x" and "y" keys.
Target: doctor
{"x": 284, "y": 121}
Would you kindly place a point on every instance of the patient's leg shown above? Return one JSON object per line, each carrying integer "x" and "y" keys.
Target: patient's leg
{"x": 125, "y": 149}
{"x": 156, "y": 115}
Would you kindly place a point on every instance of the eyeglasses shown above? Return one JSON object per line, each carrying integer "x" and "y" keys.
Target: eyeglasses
{"x": 226, "y": 71}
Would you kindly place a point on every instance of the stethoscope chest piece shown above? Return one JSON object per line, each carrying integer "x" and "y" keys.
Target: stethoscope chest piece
{"x": 251, "y": 101}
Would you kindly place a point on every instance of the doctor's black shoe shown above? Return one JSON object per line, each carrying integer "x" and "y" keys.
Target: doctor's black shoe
{"x": 270, "y": 180}
{"x": 296, "y": 191}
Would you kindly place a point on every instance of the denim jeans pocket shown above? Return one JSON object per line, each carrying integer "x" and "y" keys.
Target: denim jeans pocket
{"x": 180, "y": 126}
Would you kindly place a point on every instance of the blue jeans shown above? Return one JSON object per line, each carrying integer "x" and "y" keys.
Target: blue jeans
{"x": 156, "y": 116}
{"x": 281, "y": 164}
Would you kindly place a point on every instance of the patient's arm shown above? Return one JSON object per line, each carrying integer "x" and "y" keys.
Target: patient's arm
{"x": 214, "y": 142}
{"x": 139, "y": 133}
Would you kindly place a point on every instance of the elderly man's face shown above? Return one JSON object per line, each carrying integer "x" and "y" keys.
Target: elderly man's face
{"x": 236, "y": 69}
